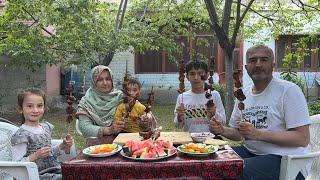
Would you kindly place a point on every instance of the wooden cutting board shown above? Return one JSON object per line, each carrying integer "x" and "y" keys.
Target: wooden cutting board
{"x": 174, "y": 137}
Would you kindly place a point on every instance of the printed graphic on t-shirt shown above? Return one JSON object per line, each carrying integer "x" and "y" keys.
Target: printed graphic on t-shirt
{"x": 257, "y": 116}
{"x": 198, "y": 115}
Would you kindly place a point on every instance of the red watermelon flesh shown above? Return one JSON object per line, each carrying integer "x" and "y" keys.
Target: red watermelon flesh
{"x": 129, "y": 144}
{"x": 147, "y": 143}
{"x": 165, "y": 144}
{"x": 153, "y": 150}
{"x": 172, "y": 150}
{"x": 136, "y": 146}
{"x": 160, "y": 151}
{"x": 140, "y": 151}
{"x": 160, "y": 142}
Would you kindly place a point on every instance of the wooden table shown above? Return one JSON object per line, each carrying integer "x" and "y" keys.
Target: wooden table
{"x": 225, "y": 164}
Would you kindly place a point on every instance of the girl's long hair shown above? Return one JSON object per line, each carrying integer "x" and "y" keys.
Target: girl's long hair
{"x": 31, "y": 90}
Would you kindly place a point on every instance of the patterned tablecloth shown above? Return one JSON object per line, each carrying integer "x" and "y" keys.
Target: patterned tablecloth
{"x": 224, "y": 164}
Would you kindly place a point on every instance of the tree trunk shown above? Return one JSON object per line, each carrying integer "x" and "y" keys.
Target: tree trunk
{"x": 229, "y": 84}
{"x": 107, "y": 59}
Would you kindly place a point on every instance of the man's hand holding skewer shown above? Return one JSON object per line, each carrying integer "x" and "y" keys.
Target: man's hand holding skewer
{"x": 216, "y": 127}
{"x": 247, "y": 130}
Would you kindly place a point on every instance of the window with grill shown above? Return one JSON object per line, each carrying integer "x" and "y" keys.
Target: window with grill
{"x": 286, "y": 44}
{"x": 158, "y": 62}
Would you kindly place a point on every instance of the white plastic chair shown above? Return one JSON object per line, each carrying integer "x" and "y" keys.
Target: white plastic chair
{"x": 292, "y": 164}
{"x": 19, "y": 170}
{"x": 22, "y": 170}
{"x": 9, "y": 169}
{"x": 78, "y": 127}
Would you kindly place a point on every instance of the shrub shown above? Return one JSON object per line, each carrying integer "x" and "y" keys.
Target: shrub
{"x": 314, "y": 107}
{"x": 221, "y": 88}
{"x": 293, "y": 77}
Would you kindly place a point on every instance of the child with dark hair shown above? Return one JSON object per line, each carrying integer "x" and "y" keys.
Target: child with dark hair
{"x": 192, "y": 113}
{"x": 131, "y": 111}
{"x": 32, "y": 141}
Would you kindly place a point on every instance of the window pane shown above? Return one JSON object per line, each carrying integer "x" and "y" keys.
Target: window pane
{"x": 307, "y": 58}
{"x": 171, "y": 66}
{"x": 149, "y": 62}
{"x": 280, "y": 51}
{"x": 293, "y": 49}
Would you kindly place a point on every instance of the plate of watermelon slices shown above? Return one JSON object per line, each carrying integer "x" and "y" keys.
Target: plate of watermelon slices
{"x": 148, "y": 150}
{"x": 150, "y": 156}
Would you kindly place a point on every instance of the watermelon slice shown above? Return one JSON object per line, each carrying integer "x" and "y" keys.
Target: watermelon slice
{"x": 165, "y": 144}
{"x": 172, "y": 150}
{"x": 140, "y": 151}
{"x": 129, "y": 144}
{"x": 160, "y": 151}
{"x": 147, "y": 143}
{"x": 136, "y": 145}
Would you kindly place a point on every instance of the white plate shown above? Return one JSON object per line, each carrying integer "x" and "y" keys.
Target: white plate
{"x": 214, "y": 149}
{"x": 87, "y": 151}
{"x": 147, "y": 159}
{"x": 207, "y": 134}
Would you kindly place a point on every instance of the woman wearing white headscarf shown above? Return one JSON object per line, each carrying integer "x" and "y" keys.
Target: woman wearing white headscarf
{"x": 97, "y": 108}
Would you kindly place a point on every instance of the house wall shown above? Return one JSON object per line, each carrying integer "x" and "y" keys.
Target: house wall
{"x": 165, "y": 85}
{"x": 53, "y": 85}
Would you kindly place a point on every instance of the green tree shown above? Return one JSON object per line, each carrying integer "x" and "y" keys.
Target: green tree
{"x": 88, "y": 32}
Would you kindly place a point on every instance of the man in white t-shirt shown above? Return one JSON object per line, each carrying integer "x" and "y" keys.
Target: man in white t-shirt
{"x": 275, "y": 121}
{"x": 192, "y": 112}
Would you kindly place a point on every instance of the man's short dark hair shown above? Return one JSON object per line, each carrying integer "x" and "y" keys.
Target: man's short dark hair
{"x": 196, "y": 65}
{"x": 260, "y": 46}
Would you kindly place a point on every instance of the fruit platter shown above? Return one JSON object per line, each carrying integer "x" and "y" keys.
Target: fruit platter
{"x": 197, "y": 149}
{"x": 148, "y": 150}
{"x": 102, "y": 150}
